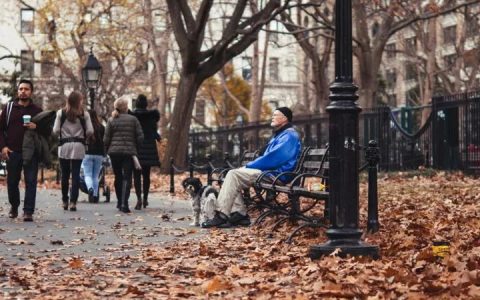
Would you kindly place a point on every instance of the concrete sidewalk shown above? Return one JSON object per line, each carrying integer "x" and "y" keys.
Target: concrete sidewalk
{"x": 92, "y": 231}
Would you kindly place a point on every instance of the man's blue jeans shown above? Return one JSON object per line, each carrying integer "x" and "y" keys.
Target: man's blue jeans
{"x": 14, "y": 171}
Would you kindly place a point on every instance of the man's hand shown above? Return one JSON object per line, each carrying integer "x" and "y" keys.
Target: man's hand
{"x": 6, "y": 152}
{"x": 30, "y": 125}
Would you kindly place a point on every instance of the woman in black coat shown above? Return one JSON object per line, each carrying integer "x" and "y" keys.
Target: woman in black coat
{"x": 147, "y": 153}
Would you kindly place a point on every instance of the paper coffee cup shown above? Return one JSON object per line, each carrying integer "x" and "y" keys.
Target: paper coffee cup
{"x": 26, "y": 119}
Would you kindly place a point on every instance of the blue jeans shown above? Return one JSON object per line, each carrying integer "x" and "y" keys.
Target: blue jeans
{"x": 92, "y": 165}
{"x": 70, "y": 166}
{"x": 14, "y": 170}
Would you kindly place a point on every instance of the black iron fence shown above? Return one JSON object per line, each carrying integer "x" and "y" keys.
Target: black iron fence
{"x": 444, "y": 135}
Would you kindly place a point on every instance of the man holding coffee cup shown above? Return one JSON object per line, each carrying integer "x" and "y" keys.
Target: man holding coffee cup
{"x": 14, "y": 120}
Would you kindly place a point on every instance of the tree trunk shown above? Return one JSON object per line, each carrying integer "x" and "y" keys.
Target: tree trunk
{"x": 305, "y": 90}
{"x": 427, "y": 93}
{"x": 255, "y": 105}
{"x": 179, "y": 127}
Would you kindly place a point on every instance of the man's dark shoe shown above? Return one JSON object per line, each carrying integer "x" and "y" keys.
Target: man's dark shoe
{"x": 13, "y": 212}
{"x": 73, "y": 206}
{"x": 125, "y": 210}
{"x": 27, "y": 217}
{"x": 237, "y": 219}
{"x": 220, "y": 220}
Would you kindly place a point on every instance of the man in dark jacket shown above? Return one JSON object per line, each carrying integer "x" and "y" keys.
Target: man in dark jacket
{"x": 14, "y": 120}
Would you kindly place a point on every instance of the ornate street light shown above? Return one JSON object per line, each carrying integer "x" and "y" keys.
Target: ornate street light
{"x": 343, "y": 233}
{"x": 92, "y": 74}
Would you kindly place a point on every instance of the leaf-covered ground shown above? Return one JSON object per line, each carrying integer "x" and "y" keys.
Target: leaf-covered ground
{"x": 251, "y": 263}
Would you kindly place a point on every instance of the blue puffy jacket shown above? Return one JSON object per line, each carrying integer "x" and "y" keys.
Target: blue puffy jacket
{"x": 281, "y": 153}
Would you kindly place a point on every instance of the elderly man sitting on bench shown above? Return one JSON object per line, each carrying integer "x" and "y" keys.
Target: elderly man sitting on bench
{"x": 280, "y": 155}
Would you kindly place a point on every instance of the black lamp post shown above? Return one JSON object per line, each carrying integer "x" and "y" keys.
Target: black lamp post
{"x": 343, "y": 151}
{"x": 92, "y": 73}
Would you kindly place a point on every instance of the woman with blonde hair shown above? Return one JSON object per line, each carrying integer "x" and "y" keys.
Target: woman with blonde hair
{"x": 123, "y": 136}
{"x": 73, "y": 125}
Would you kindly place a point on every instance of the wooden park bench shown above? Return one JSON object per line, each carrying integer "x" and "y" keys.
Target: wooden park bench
{"x": 302, "y": 197}
{"x": 313, "y": 163}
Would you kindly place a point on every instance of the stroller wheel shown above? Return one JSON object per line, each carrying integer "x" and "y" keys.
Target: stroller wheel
{"x": 106, "y": 193}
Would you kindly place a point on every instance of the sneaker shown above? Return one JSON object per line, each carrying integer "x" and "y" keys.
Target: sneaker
{"x": 220, "y": 220}
{"x": 27, "y": 217}
{"x": 237, "y": 219}
{"x": 13, "y": 213}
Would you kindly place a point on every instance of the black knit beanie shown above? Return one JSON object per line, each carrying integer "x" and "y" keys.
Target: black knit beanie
{"x": 286, "y": 112}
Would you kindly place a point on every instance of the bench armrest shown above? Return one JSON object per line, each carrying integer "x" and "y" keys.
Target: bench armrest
{"x": 276, "y": 178}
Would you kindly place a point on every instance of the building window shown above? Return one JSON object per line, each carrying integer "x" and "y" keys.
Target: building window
{"x": 391, "y": 50}
{"x": 449, "y": 60}
{"x": 450, "y": 34}
{"x": 142, "y": 62}
{"x": 47, "y": 67}
{"x": 392, "y": 100}
{"x": 247, "y": 67}
{"x": 375, "y": 28}
{"x": 26, "y": 20}
{"x": 104, "y": 20}
{"x": 26, "y": 63}
{"x": 274, "y": 33}
{"x": 472, "y": 26}
{"x": 273, "y": 68}
{"x": 412, "y": 96}
{"x": 391, "y": 76}
{"x": 411, "y": 45}
{"x": 410, "y": 71}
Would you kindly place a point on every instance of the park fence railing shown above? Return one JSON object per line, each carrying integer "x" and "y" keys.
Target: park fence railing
{"x": 443, "y": 135}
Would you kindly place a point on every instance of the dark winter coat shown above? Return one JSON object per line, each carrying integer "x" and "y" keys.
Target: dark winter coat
{"x": 38, "y": 141}
{"x": 95, "y": 142}
{"x": 123, "y": 135}
{"x": 147, "y": 153}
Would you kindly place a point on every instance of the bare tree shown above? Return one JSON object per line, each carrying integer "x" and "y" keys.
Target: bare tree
{"x": 375, "y": 23}
{"x": 309, "y": 39}
{"x": 198, "y": 64}
{"x": 159, "y": 42}
{"x": 112, "y": 26}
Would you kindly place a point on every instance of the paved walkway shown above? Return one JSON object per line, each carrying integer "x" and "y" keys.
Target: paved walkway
{"x": 91, "y": 231}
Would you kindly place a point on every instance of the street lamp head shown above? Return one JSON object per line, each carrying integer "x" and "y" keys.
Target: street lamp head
{"x": 92, "y": 72}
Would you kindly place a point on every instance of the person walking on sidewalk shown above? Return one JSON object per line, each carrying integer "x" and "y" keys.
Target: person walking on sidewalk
{"x": 73, "y": 125}
{"x": 92, "y": 163}
{"x": 123, "y": 136}
{"x": 14, "y": 120}
{"x": 147, "y": 152}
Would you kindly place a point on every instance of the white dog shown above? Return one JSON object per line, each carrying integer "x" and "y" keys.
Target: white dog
{"x": 203, "y": 199}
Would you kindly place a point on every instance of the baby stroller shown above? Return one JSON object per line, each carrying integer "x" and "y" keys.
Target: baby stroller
{"x": 101, "y": 180}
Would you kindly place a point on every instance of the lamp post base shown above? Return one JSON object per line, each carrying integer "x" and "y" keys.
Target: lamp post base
{"x": 352, "y": 247}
